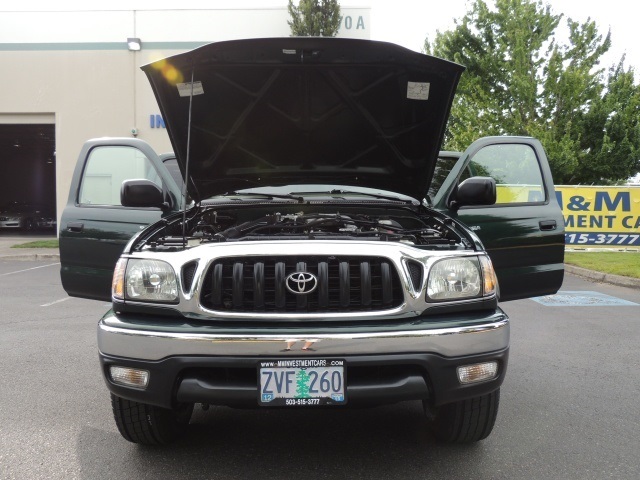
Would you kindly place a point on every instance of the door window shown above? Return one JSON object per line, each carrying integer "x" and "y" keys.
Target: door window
{"x": 107, "y": 167}
{"x": 514, "y": 167}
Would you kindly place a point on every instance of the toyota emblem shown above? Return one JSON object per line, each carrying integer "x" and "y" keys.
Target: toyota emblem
{"x": 301, "y": 283}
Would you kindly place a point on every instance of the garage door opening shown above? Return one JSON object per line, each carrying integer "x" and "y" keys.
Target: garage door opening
{"x": 27, "y": 178}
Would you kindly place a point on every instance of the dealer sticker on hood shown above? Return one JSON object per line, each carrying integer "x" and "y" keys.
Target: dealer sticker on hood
{"x": 418, "y": 90}
{"x": 184, "y": 89}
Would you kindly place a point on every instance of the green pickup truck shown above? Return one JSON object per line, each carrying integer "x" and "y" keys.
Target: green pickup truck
{"x": 322, "y": 253}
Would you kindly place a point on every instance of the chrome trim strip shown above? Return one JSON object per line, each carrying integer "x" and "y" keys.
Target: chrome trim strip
{"x": 454, "y": 341}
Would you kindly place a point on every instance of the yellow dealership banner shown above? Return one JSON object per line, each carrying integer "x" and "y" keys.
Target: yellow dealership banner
{"x": 600, "y": 215}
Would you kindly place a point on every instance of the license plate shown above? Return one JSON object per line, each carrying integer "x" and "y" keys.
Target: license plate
{"x": 301, "y": 382}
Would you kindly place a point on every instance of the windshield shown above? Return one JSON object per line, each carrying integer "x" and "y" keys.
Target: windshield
{"x": 444, "y": 165}
{"x": 296, "y": 190}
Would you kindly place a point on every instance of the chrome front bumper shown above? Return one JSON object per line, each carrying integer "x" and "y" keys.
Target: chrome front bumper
{"x": 142, "y": 339}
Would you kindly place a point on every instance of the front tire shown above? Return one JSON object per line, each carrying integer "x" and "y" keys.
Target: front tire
{"x": 28, "y": 225}
{"x": 465, "y": 421}
{"x": 148, "y": 424}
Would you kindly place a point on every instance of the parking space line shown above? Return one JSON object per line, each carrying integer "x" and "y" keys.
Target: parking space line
{"x": 54, "y": 302}
{"x": 27, "y": 269}
{"x": 566, "y": 298}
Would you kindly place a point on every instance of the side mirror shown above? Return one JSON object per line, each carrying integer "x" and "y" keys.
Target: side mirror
{"x": 141, "y": 193}
{"x": 475, "y": 191}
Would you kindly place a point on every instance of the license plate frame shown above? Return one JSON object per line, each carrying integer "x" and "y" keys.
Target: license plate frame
{"x": 302, "y": 382}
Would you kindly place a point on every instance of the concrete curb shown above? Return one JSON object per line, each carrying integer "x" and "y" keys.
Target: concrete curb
{"x": 31, "y": 256}
{"x": 618, "y": 280}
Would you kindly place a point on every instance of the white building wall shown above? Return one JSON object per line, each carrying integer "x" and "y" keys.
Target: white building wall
{"x": 74, "y": 66}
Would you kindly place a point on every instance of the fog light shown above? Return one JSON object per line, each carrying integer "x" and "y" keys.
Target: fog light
{"x": 478, "y": 372}
{"x": 129, "y": 377}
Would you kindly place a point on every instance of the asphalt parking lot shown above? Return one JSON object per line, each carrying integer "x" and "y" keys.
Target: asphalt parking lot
{"x": 569, "y": 406}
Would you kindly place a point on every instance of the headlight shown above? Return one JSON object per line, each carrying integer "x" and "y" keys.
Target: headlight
{"x": 461, "y": 278}
{"x": 145, "y": 281}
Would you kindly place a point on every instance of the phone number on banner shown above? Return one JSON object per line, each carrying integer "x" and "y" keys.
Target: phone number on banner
{"x": 602, "y": 239}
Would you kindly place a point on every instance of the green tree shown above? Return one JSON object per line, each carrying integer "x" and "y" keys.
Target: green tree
{"x": 521, "y": 81}
{"x": 314, "y": 18}
{"x": 612, "y": 130}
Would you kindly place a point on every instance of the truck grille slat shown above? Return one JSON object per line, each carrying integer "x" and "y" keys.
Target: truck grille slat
{"x": 344, "y": 284}
{"x": 279, "y": 288}
{"x": 385, "y": 272}
{"x": 365, "y": 283}
{"x": 216, "y": 290}
{"x": 258, "y": 284}
{"x": 323, "y": 285}
{"x": 238, "y": 285}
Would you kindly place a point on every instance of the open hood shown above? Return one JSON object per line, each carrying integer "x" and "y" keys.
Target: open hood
{"x": 305, "y": 110}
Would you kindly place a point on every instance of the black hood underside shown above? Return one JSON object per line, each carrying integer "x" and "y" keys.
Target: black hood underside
{"x": 279, "y": 111}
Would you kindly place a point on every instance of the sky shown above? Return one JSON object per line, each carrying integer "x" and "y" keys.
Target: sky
{"x": 405, "y": 22}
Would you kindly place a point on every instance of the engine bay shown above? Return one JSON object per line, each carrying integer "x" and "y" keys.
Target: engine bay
{"x": 218, "y": 224}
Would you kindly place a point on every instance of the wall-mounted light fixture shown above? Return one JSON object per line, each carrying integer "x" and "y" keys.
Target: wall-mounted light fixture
{"x": 134, "y": 44}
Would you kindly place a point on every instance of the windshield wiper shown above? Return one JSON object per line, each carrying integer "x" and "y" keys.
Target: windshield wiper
{"x": 353, "y": 192}
{"x": 267, "y": 196}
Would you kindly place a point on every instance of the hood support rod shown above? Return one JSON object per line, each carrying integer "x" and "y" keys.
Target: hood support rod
{"x": 186, "y": 170}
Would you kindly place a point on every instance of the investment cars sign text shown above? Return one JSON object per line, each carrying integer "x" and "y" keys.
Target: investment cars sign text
{"x": 601, "y": 215}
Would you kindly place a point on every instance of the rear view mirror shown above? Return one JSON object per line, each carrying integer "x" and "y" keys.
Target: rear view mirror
{"x": 141, "y": 193}
{"x": 475, "y": 191}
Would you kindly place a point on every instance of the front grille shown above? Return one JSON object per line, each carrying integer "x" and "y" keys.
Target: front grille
{"x": 258, "y": 284}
